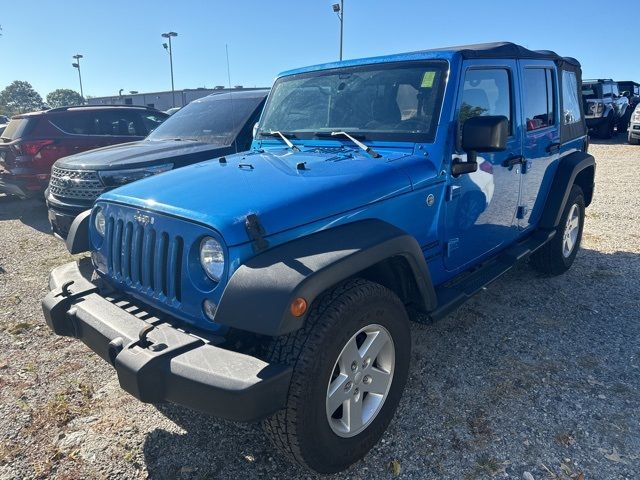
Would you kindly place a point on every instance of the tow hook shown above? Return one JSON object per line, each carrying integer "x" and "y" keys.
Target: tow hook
{"x": 142, "y": 335}
{"x": 65, "y": 292}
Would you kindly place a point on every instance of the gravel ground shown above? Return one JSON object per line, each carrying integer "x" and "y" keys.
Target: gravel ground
{"x": 533, "y": 375}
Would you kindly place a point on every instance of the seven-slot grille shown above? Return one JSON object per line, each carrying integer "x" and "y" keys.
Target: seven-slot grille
{"x": 78, "y": 184}
{"x": 147, "y": 259}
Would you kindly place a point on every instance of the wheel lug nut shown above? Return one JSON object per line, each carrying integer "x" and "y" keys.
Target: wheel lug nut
{"x": 366, "y": 363}
{"x": 354, "y": 366}
{"x": 366, "y": 379}
{"x": 356, "y": 391}
{"x": 348, "y": 386}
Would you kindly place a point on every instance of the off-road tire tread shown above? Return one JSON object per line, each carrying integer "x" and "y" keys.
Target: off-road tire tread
{"x": 548, "y": 259}
{"x": 290, "y": 350}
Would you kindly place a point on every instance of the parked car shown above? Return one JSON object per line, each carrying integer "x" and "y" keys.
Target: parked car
{"x": 3, "y": 123}
{"x": 210, "y": 127}
{"x": 605, "y": 109}
{"x": 32, "y": 142}
{"x": 278, "y": 283}
{"x": 634, "y": 127}
{"x": 631, "y": 90}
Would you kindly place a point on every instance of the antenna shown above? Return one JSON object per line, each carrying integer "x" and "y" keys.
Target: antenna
{"x": 233, "y": 117}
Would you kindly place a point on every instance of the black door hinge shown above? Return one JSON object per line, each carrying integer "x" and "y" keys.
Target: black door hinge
{"x": 522, "y": 211}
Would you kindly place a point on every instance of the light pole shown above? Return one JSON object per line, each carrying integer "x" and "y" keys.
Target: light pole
{"x": 168, "y": 35}
{"x": 76, "y": 64}
{"x": 338, "y": 8}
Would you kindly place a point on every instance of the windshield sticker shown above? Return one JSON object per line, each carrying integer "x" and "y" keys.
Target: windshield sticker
{"x": 427, "y": 79}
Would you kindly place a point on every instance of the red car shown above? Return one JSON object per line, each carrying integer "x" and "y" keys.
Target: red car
{"x": 32, "y": 142}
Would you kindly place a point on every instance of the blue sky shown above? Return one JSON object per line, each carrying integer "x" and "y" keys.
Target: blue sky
{"x": 122, "y": 47}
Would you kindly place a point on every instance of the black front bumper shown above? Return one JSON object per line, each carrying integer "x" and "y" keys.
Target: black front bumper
{"x": 62, "y": 214}
{"x": 157, "y": 362}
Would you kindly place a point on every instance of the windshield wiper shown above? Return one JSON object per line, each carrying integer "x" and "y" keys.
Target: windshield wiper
{"x": 353, "y": 138}
{"x": 278, "y": 133}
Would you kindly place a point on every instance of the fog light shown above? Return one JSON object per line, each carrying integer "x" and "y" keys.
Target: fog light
{"x": 210, "y": 309}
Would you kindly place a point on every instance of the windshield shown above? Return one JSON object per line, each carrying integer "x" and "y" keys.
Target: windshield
{"x": 216, "y": 119}
{"x": 395, "y": 101}
{"x": 591, "y": 90}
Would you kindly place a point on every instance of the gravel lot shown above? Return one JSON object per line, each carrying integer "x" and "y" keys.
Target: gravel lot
{"x": 533, "y": 375}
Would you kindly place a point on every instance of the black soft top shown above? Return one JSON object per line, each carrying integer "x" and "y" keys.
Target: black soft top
{"x": 507, "y": 50}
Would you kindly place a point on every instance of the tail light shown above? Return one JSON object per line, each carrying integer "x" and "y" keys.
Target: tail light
{"x": 486, "y": 167}
{"x": 41, "y": 154}
{"x": 32, "y": 147}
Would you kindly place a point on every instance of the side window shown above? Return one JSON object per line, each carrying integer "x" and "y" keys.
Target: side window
{"x": 614, "y": 89}
{"x": 486, "y": 92}
{"x": 538, "y": 98}
{"x": 570, "y": 99}
{"x": 118, "y": 123}
{"x": 75, "y": 123}
{"x": 606, "y": 90}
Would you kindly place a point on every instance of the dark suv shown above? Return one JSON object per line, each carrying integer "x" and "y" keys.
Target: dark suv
{"x": 32, "y": 142}
{"x": 216, "y": 125}
{"x": 604, "y": 107}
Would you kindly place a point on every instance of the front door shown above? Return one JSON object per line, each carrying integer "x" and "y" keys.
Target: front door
{"x": 482, "y": 206}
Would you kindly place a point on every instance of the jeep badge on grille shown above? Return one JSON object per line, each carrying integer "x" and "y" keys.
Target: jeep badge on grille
{"x": 143, "y": 219}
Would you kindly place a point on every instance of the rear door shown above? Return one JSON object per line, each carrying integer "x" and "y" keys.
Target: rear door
{"x": 481, "y": 206}
{"x": 541, "y": 137}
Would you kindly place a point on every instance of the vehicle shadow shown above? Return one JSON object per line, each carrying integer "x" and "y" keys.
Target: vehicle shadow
{"x": 620, "y": 138}
{"x": 513, "y": 379}
{"x": 31, "y": 212}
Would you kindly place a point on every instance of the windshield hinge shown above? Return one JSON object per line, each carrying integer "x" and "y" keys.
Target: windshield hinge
{"x": 256, "y": 233}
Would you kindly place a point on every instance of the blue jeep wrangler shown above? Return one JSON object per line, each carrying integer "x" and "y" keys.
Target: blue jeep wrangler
{"x": 278, "y": 284}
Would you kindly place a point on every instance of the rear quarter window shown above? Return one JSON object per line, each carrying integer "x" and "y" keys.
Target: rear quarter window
{"x": 570, "y": 99}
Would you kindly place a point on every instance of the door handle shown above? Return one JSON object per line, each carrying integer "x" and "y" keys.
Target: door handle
{"x": 553, "y": 148}
{"x": 513, "y": 160}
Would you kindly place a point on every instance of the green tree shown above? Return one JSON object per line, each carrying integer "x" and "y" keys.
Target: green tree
{"x": 64, "y": 97}
{"x": 20, "y": 97}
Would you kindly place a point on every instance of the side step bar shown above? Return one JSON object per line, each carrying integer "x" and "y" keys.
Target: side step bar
{"x": 458, "y": 290}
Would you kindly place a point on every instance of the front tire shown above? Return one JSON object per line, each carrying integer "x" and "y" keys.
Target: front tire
{"x": 350, "y": 365}
{"x": 606, "y": 129}
{"x": 557, "y": 256}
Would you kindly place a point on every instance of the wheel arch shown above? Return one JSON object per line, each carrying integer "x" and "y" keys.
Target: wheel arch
{"x": 577, "y": 168}
{"x": 259, "y": 294}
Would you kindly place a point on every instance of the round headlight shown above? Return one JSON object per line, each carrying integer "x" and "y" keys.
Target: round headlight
{"x": 100, "y": 222}
{"x": 212, "y": 258}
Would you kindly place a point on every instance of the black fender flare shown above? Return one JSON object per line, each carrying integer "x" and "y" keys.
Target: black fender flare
{"x": 78, "y": 238}
{"x": 569, "y": 168}
{"x": 258, "y": 295}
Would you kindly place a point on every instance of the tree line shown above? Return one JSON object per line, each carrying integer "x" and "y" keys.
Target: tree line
{"x": 20, "y": 97}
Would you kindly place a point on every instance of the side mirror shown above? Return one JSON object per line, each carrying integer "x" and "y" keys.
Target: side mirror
{"x": 255, "y": 129}
{"x": 481, "y": 134}
{"x": 485, "y": 134}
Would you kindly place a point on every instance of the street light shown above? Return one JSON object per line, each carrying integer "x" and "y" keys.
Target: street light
{"x": 168, "y": 35}
{"x": 338, "y": 8}
{"x": 76, "y": 64}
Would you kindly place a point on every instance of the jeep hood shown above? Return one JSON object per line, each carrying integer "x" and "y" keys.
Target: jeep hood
{"x": 285, "y": 189}
{"x": 142, "y": 154}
